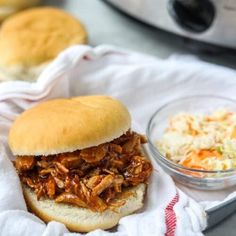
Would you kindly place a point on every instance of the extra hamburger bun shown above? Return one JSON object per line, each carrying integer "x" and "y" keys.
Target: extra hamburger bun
{"x": 8, "y": 8}
{"x": 29, "y": 40}
{"x": 81, "y": 122}
{"x": 81, "y": 219}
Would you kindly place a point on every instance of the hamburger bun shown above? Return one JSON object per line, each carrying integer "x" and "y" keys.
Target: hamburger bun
{"x": 29, "y": 40}
{"x": 8, "y": 8}
{"x": 82, "y": 122}
{"x": 81, "y": 219}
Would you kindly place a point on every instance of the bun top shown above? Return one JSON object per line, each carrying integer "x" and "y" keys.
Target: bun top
{"x": 66, "y": 125}
{"x": 18, "y": 3}
{"x": 37, "y": 35}
{"x": 8, "y": 8}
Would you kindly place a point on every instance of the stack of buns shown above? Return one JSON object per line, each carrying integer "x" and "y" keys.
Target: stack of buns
{"x": 29, "y": 40}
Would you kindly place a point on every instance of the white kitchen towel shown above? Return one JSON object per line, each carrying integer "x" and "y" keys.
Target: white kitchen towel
{"x": 143, "y": 83}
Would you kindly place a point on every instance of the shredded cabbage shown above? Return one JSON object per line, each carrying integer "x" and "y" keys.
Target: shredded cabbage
{"x": 201, "y": 141}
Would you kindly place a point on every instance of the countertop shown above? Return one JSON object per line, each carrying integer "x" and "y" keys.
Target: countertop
{"x": 106, "y": 25}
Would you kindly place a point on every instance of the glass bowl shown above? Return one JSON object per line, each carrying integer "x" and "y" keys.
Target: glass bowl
{"x": 194, "y": 178}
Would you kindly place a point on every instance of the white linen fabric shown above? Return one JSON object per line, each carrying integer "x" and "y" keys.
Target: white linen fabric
{"x": 143, "y": 83}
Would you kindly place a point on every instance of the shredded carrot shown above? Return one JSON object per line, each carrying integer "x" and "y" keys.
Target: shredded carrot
{"x": 194, "y": 159}
{"x": 202, "y": 154}
{"x": 233, "y": 135}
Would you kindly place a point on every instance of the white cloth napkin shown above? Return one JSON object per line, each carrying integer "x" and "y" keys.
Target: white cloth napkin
{"x": 143, "y": 83}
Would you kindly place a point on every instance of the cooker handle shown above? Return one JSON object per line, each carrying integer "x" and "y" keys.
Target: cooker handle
{"x": 220, "y": 212}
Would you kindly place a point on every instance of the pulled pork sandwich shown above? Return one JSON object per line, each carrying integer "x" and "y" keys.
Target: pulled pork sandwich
{"x": 79, "y": 162}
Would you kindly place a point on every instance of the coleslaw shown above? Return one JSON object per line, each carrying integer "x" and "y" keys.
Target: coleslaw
{"x": 205, "y": 142}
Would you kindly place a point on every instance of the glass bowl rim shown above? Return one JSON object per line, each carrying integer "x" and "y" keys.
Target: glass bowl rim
{"x": 166, "y": 160}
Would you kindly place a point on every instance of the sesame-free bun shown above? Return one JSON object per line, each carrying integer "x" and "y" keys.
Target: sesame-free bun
{"x": 37, "y": 35}
{"x": 34, "y": 37}
{"x": 81, "y": 219}
{"x": 8, "y": 8}
{"x": 66, "y": 125}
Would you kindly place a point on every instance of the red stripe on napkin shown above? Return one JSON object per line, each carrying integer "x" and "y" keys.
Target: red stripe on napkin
{"x": 170, "y": 217}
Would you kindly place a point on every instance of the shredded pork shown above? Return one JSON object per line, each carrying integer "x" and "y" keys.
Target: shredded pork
{"x": 92, "y": 178}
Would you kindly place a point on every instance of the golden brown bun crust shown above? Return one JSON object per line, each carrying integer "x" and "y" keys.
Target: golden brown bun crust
{"x": 37, "y": 35}
{"x": 8, "y": 8}
{"x": 66, "y": 125}
{"x": 81, "y": 219}
{"x": 18, "y": 3}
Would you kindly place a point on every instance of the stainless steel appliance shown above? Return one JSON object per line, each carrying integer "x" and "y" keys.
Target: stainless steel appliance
{"x": 210, "y": 21}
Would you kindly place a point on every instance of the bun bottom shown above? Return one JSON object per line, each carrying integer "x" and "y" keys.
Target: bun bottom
{"x": 21, "y": 72}
{"x": 81, "y": 219}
